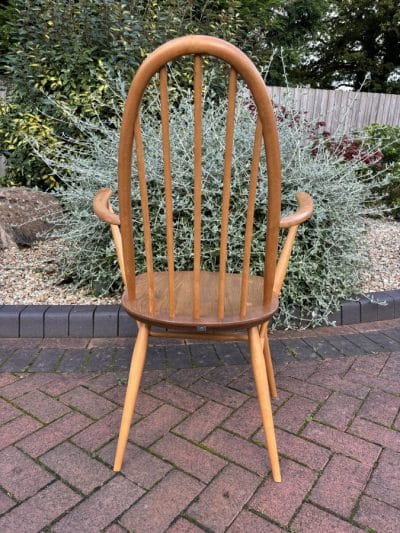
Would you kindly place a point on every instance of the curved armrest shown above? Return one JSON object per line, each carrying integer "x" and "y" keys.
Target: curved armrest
{"x": 101, "y": 206}
{"x": 303, "y": 212}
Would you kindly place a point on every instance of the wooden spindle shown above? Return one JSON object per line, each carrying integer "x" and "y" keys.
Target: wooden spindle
{"x": 230, "y": 124}
{"x": 145, "y": 212}
{"x": 168, "y": 187}
{"x": 197, "y": 183}
{"x": 250, "y": 218}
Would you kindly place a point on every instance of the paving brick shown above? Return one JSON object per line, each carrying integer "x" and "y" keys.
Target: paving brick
{"x": 122, "y": 358}
{"x": 292, "y": 415}
{"x": 101, "y": 508}
{"x": 41, "y": 406}
{"x": 115, "y": 528}
{"x": 178, "y": 356}
{"x": 371, "y": 364}
{"x": 49, "y": 436}
{"x": 229, "y": 353}
{"x": 87, "y": 402}
{"x": 104, "y": 382}
{"x": 308, "y": 390}
{"x": 204, "y": 355}
{"x": 322, "y": 347}
{"x": 19, "y": 475}
{"x": 245, "y": 383}
{"x": 20, "y": 360}
{"x": 6, "y": 379}
{"x": 372, "y": 432}
{"x": 188, "y": 457}
{"x": 156, "y": 358}
{"x": 64, "y": 383}
{"x": 155, "y": 425}
{"x": 340, "y": 485}
{"x": 100, "y": 432}
{"x": 225, "y": 374}
{"x": 311, "y": 517}
{"x": 5, "y": 502}
{"x": 391, "y": 370}
{"x": 246, "y": 420}
{"x": 238, "y": 450}
{"x": 127, "y": 326}
{"x": 387, "y": 344}
{"x": 337, "y": 383}
{"x": 220, "y": 503}
{"x": 9, "y": 320}
{"x": 186, "y": 376}
{"x": 100, "y": 360}
{"x": 106, "y": 321}
{"x": 36, "y": 513}
{"x": 300, "y": 369}
{"x": 47, "y": 360}
{"x": 17, "y": 429}
{"x": 31, "y": 321}
{"x": 183, "y": 526}
{"x": 377, "y": 516}
{"x": 157, "y": 509}
{"x": 374, "y": 382}
{"x": 338, "y": 411}
{"x": 301, "y": 450}
{"x": 76, "y": 467}
{"x": 344, "y": 345}
{"x": 380, "y": 407}
{"x": 139, "y": 466}
{"x": 339, "y": 442}
{"x": 198, "y": 425}
{"x": 56, "y": 321}
{"x": 299, "y": 349}
{"x": 151, "y": 377}
{"x": 280, "y": 501}
{"x": 385, "y": 481}
{"x": 24, "y": 384}
{"x": 177, "y": 396}
{"x": 7, "y": 412}
{"x": 73, "y": 359}
{"x": 364, "y": 343}
{"x": 250, "y": 522}
{"x": 218, "y": 393}
{"x": 335, "y": 366}
{"x": 351, "y": 312}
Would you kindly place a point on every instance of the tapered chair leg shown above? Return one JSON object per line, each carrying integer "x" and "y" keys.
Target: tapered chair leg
{"x": 132, "y": 389}
{"x": 270, "y": 368}
{"x": 262, "y": 387}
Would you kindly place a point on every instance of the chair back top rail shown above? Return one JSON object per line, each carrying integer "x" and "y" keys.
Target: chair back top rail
{"x": 198, "y": 46}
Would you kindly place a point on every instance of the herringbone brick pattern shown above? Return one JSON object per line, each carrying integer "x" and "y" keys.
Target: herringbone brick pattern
{"x": 196, "y": 459}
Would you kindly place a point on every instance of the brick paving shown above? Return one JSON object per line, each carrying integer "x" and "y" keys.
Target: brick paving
{"x": 196, "y": 458}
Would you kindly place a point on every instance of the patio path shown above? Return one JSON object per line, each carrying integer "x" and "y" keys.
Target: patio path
{"x": 196, "y": 459}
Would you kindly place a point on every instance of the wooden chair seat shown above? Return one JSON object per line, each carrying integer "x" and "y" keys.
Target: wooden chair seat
{"x": 256, "y": 311}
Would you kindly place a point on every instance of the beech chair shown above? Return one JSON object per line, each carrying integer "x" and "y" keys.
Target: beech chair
{"x": 199, "y": 304}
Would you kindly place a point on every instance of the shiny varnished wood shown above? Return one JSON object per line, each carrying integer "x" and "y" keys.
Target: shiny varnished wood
{"x": 257, "y": 311}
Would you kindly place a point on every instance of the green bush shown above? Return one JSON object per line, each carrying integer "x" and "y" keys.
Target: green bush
{"x": 386, "y": 139}
{"x": 58, "y": 50}
{"x": 328, "y": 258}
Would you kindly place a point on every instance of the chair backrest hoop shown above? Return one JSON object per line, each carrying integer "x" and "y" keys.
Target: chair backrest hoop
{"x": 199, "y": 45}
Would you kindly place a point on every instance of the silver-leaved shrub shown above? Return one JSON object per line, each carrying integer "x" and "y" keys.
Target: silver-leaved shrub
{"x": 329, "y": 255}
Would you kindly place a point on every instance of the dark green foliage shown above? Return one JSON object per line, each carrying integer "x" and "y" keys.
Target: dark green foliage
{"x": 386, "y": 139}
{"x": 358, "y": 38}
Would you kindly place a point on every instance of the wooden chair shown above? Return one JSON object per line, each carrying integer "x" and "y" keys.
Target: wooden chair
{"x": 198, "y": 304}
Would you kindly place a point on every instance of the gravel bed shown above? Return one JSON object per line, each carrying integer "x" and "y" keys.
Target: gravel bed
{"x": 29, "y": 275}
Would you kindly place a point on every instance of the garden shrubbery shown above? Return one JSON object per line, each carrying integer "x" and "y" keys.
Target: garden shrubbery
{"x": 328, "y": 257}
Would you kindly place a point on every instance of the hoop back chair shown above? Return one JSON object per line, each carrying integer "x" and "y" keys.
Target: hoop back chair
{"x": 200, "y": 304}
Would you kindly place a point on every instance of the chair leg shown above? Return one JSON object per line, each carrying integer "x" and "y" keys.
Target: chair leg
{"x": 270, "y": 368}
{"x": 261, "y": 380}
{"x": 268, "y": 359}
{"x": 132, "y": 389}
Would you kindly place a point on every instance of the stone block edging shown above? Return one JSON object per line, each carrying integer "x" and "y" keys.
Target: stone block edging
{"x": 88, "y": 321}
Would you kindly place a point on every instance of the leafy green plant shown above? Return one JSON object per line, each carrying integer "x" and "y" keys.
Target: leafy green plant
{"x": 328, "y": 259}
{"x": 386, "y": 139}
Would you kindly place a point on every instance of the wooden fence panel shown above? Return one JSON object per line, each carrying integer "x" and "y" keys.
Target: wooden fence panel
{"x": 343, "y": 111}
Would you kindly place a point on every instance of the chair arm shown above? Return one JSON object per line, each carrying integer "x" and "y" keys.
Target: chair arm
{"x": 102, "y": 208}
{"x": 303, "y": 212}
